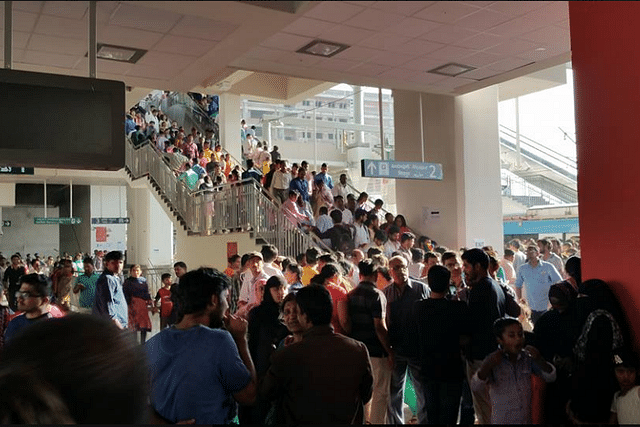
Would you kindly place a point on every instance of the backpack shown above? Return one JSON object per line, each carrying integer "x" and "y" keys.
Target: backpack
{"x": 511, "y": 306}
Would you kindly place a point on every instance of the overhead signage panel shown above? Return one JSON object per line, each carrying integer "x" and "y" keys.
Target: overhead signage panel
{"x": 401, "y": 170}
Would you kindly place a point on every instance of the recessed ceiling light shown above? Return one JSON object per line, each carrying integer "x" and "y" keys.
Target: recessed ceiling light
{"x": 451, "y": 69}
{"x": 323, "y": 48}
{"x": 119, "y": 53}
{"x": 540, "y": 49}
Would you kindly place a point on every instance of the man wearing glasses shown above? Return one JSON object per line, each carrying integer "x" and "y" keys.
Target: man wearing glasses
{"x": 33, "y": 302}
{"x": 402, "y": 322}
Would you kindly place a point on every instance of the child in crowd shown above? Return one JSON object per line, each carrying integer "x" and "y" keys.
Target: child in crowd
{"x": 508, "y": 372}
{"x": 163, "y": 299}
{"x": 625, "y": 408}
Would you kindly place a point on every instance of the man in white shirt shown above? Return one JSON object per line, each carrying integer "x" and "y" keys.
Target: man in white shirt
{"x": 507, "y": 265}
{"x": 281, "y": 181}
{"x": 255, "y": 273}
{"x": 393, "y": 242}
{"x": 377, "y": 209}
{"x": 361, "y": 239}
{"x": 247, "y": 147}
{"x": 547, "y": 255}
{"x": 269, "y": 254}
{"x": 340, "y": 189}
{"x": 347, "y": 216}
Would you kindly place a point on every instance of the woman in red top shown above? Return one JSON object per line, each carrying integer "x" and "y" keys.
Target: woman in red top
{"x": 331, "y": 277}
{"x": 401, "y": 223}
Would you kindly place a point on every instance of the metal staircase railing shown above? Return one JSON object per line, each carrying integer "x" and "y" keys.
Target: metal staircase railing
{"x": 239, "y": 206}
{"x": 537, "y": 152}
{"x": 566, "y": 194}
{"x": 528, "y": 193}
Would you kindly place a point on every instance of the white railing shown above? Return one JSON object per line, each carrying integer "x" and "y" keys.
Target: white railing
{"x": 238, "y": 206}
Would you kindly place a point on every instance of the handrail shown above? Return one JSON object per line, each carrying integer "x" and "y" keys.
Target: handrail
{"x": 238, "y": 206}
{"x": 558, "y": 162}
{"x": 528, "y": 189}
{"x": 369, "y": 203}
{"x": 559, "y": 156}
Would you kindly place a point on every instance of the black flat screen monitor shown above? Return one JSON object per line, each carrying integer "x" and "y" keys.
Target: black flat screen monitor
{"x": 61, "y": 122}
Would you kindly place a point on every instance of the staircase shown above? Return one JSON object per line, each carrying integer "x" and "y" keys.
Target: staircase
{"x": 551, "y": 172}
{"x": 237, "y": 207}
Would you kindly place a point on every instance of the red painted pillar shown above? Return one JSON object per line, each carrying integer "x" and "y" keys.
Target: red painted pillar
{"x": 606, "y": 64}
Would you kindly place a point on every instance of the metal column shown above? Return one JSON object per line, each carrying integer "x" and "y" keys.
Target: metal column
{"x": 8, "y": 34}
{"x": 93, "y": 53}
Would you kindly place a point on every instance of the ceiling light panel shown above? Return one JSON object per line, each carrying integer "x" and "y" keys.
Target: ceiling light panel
{"x": 323, "y": 48}
{"x": 451, "y": 69}
{"x": 119, "y": 53}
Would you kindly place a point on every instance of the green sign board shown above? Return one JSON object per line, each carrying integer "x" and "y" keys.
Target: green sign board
{"x": 64, "y": 221}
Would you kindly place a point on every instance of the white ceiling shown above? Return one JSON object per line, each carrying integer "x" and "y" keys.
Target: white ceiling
{"x": 393, "y": 43}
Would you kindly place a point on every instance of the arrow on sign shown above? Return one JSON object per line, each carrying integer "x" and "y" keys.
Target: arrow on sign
{"x": 371, "y": 167}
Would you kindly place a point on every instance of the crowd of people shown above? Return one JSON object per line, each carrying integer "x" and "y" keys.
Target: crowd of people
{"x": 198, "y": 160}
{"x": 333, "y": 337}
{"x": 329, "y": 337}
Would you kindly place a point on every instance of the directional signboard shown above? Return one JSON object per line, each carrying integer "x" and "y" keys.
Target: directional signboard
{"x": 16, "y": 170}
{"x": 401, "y": 170}
{"x": 123, "y": 220}
{"x": 65, "y": 221}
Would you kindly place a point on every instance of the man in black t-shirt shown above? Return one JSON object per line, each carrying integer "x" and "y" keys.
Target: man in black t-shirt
{"x": 367, "y": 306}
{"x": 486, "y": 304}
{"x": 442, "y": 330}
{"x": 11, "y": 280}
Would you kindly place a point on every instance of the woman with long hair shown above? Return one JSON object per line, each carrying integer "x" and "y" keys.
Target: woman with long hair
{"x": 136, "y": 292}
{"x": 401, "y": 223}
{"x": 266, "y": 331}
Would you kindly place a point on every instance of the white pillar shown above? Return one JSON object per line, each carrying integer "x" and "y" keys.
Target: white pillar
{"x": 229, "y": 121}
{"x": 482, "y": 191}
{"x": 150, "y": 232}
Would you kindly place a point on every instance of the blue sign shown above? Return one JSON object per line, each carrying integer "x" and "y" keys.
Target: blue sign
{"x": 541, "y": 226}
{"x": 400, "y": 170}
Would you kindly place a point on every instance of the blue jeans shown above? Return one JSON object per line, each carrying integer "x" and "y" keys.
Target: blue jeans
{"x": 443, "y": 401}
{"x": 401, "y": 365}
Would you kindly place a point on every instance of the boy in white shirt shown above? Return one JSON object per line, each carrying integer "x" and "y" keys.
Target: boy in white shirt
{"x": 625, "y": 408}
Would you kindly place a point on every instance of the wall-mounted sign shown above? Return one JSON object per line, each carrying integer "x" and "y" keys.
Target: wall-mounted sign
{"x": 15, "y": 170}
{"x": 110, "y": 220}
{"x": 400, "y": 170}
{"x": 63, "y": 221}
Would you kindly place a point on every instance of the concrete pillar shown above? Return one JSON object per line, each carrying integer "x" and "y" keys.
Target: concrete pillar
{"x": 229, "y": 121}
{"x": 477, "y": 124}
{"x": 465, "y": 207}
{"x": 150, "y": 232}
{"x": 358, "y": 150}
